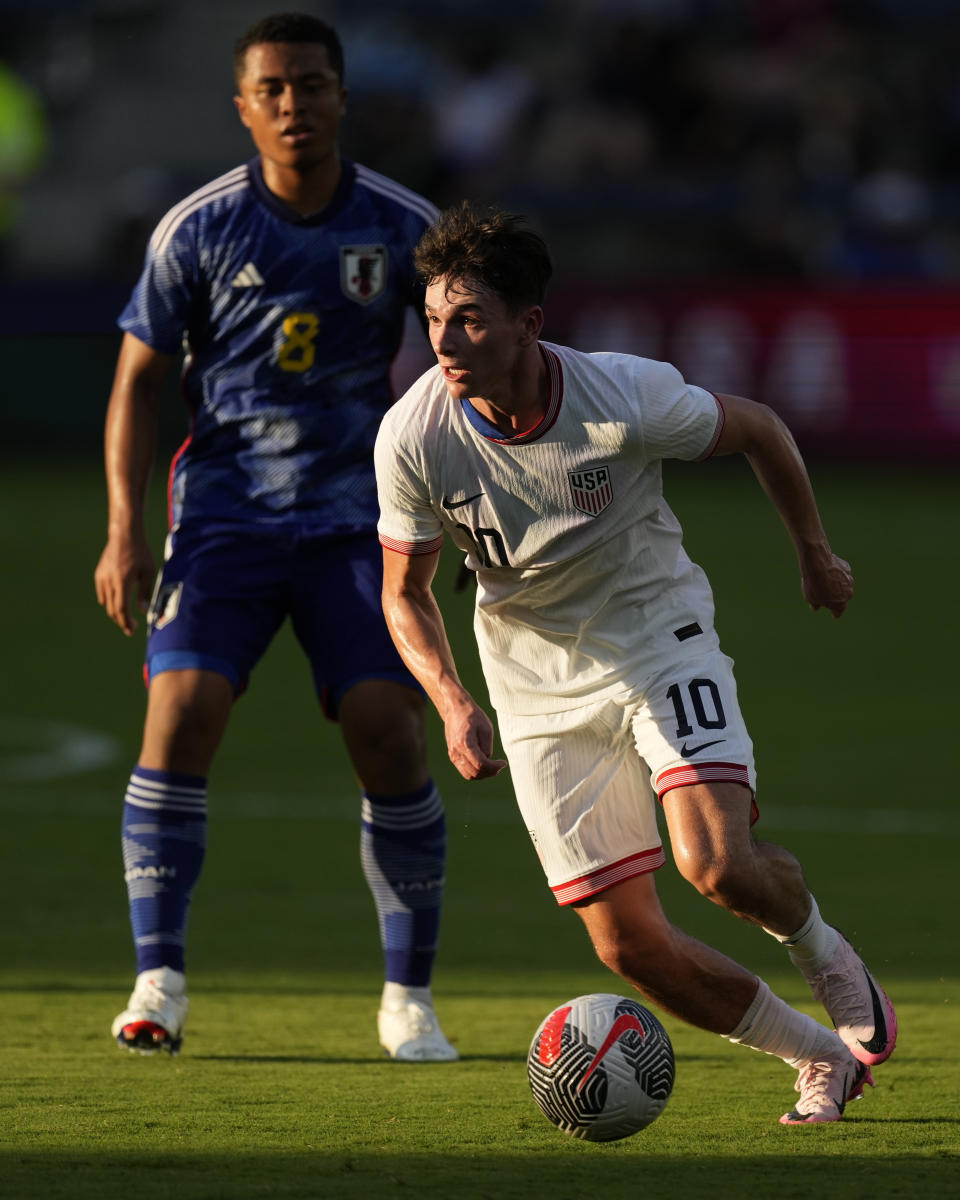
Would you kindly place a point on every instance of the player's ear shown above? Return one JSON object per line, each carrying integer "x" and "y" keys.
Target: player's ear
{"x": 531, "y": 322}
{"x": 241, "y": 107}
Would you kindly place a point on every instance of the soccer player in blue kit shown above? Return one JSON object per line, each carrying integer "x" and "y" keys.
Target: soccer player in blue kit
{"x": 286, "y": 281}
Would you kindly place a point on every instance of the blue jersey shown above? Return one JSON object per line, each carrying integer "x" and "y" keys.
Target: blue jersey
{"x": 289, "y": 327}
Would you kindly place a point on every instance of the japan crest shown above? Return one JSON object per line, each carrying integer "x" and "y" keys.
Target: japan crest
{"x": 165, "y": 604}
{"x": 592, "y": 489}
{"x": 363, "y": 272}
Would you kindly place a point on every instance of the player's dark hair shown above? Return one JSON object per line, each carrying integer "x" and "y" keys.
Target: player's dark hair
{"x": 495, "y": 250}
{"x": 289, "y": 27}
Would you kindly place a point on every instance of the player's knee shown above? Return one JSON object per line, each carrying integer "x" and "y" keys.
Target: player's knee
{"x": 186, "y": 717}
{"x": 400, "y": 737}
{"x": 617, "y": 956}
{"x": 388, "y": 749}
{"x": 637, "y": 955}
{"x": 721, "y": 880}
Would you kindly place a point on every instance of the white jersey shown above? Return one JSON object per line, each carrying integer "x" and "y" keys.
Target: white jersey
{"x": 582, "y": 579}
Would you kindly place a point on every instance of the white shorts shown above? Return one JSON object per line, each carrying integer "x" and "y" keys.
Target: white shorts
{"x": 587, "y": 779}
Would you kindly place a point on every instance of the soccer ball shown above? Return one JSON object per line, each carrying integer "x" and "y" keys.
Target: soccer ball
{"x": 601, "y": 1067}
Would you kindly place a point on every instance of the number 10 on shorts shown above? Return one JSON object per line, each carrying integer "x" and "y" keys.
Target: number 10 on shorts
{"x": 701, "y": 700}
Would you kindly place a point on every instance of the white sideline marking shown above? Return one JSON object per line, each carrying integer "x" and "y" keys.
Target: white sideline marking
{"x": 34, "y": 750}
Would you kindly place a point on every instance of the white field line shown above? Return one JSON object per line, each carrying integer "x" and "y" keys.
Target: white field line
{"x": 36, "y": 752}
{"x": 316, "y": 806}
{"x": 33, "y": 750}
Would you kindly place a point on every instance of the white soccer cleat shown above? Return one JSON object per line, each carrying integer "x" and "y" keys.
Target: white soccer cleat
{"x": 410, "y": 1032}
{"x": 155, "y": 1014}
{"x": 857, "y": 1005}
{"x": 825, "y": 1088}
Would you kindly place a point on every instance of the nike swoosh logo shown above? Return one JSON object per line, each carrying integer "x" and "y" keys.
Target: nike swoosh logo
{"x": 879, "y": 1039}
{"x": 851, "y": 1087}
{"x": 686, "y": 751}
{"x": 842, "y": 1102}
{"x": 451, "y": 504}
{"x": 551, "y": 1039}
{"x": 617, "y": 1030}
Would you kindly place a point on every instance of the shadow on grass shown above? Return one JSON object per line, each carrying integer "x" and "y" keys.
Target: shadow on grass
{"x": 572, "y": 1171}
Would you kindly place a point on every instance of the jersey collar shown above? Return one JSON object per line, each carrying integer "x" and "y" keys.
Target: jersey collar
{"x": 487, "y": 428}
{"x": 348, "y": 174}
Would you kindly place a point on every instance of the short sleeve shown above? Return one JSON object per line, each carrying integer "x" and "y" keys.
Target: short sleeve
{"x": 679, "y": 420}
{"x": 408, "y": 523}
{"x": 159, "y": 309}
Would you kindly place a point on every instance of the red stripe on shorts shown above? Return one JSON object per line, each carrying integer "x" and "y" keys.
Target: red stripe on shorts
{"x": 715, "y": 772}
{"x": 606, "y": 876}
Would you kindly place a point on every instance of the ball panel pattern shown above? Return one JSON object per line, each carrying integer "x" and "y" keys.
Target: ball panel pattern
{"x": 601, "y": 1067}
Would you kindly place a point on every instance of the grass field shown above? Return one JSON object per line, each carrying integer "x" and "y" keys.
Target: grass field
{"x": 281, "y": 1090}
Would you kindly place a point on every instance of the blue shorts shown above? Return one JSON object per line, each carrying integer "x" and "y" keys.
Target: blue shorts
{"x": 221, "y": 596}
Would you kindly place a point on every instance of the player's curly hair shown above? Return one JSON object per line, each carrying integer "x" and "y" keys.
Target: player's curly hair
{"x": 495, "y": 250}
{"x": 289, "y": 27}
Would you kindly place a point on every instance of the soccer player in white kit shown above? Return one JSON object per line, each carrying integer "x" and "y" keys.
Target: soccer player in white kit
{"x": 596, "y": 636}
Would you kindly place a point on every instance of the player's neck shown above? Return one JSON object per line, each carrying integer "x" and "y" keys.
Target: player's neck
{"x": 307, "y": 190}
{"x": 520, "y": 403}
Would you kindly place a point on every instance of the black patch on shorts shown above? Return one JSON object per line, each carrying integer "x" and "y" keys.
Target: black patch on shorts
{"x": 687, "y": 631}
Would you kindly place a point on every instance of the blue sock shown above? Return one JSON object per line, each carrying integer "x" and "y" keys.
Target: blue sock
{"x": 403, "y": 848}
{"x": 164, "y": 835}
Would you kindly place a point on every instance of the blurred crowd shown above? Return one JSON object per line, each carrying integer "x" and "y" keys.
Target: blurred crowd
{"x": 744, "y": 139}
{"x": 774, "y": 139}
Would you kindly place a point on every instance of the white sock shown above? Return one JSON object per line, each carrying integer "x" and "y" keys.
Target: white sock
{"x": 396, "y": 995}
{"x": 813, "y": 944}
{"x": 773, "y": 1027}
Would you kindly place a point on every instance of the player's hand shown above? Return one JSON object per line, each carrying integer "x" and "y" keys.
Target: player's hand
{"x": 827, "y": 581}
{"x": 469, "y": 734}
{"x": 124, "y": 577}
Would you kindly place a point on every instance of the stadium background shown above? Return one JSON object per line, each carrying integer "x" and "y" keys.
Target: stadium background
{"x": 764, "y": 191}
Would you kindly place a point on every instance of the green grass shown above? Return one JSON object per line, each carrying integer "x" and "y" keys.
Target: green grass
{"x": 281, "y": 1090}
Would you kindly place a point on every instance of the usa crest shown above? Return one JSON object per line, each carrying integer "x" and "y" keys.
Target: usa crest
{"x": 363, "y": 272}
{"x": 592, "y": 490}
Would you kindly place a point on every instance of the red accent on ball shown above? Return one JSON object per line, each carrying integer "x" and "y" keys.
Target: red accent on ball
{"x": 550, "y": 1038}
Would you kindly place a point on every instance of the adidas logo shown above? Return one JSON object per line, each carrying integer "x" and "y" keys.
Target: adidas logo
{"x": 247, "y": 276}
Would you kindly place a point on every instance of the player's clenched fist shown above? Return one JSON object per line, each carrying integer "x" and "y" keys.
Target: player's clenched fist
{"x": 828, "y": 583}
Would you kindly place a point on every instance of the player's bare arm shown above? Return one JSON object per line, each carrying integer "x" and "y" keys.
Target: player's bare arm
{"x": 124, "y": 574}
{"x": 416, "y": 626}
{"x": 757, "y": 432}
